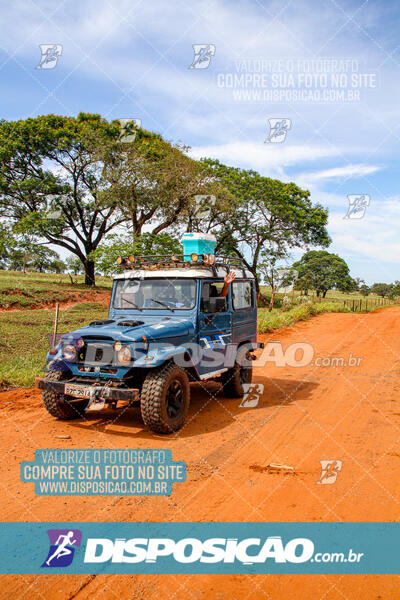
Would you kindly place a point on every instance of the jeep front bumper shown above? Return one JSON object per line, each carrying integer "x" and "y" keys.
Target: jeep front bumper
{"x": 90, "y": 391}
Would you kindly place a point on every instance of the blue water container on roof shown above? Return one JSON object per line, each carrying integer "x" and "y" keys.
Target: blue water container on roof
{"x": 198, "y": 243}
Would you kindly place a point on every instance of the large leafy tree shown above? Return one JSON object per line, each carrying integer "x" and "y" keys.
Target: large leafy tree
{"x": 321, "y": 271}
{"x": 382, "y": 289}
{"x": 158, "y": 186}
{"x": 70, "y": 181}
{"x": 269, "y": 217}
{"x": 51, "y": 177}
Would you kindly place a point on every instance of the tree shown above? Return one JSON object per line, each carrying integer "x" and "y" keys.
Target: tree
{"x": 57, "y": 266}
{"x": 274, "y": 274}
{"x": 23, "y": 253}
{"x": 51, "y": 178}
{"x": 157, "y": 184}
{"x": 364, "y": 289}
{"x": 395, "y": 290}
{"x": 42, "y": 258}
{"x": 7, "y": 242}
{"x": 269, "y": 217}
{"x": 74, "y": 265}
{"x": 105, "y": 257}
{"x": 358, "y": 283}
{"x": 382, "y": 289}
{"x": 321, "y": 271}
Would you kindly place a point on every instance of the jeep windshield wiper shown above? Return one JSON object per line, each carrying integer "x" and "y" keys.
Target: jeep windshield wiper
{"x": 162, "y": 304}
{"x": 133, "y": 304}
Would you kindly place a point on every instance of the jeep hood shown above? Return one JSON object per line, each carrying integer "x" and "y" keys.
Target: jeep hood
{"x": 130, "y": 330}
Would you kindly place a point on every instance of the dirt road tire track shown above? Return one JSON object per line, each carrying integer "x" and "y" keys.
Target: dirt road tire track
{"x": 306, "y": 415}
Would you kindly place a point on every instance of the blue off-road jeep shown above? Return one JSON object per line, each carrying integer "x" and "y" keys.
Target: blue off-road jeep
{"x": 169, "y": 324}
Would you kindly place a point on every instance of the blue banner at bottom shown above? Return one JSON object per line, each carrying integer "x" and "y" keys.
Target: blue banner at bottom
{"x": 212, "y": 548}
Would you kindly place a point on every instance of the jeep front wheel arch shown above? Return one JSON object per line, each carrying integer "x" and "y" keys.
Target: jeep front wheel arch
{"x": 165, "y": 398}
{"x": 57, "y": 405}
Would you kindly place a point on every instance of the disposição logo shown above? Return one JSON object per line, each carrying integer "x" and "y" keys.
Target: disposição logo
{"x": 62, "y": 547}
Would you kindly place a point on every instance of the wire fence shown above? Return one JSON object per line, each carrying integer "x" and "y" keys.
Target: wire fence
{"x": 360, "y": 304}
{"x": 357, "y": 304}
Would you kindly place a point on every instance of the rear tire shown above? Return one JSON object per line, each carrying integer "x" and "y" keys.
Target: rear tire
{"x": 58, "y": 405}
{"x": 165, "y": 398}
{"x": 233, "y": 379}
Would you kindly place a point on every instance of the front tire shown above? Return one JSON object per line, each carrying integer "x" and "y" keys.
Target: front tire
{"x": 57, "y": 405}
{"x": 165, "y": 398}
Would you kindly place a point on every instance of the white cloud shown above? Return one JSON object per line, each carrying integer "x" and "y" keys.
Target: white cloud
{"x": 373, "y": 239}
{"x": 347, "y": 171}
{"x": 268, "y": 159}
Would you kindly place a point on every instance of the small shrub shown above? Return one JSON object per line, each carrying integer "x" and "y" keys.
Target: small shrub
{"x": 286, "y": 303}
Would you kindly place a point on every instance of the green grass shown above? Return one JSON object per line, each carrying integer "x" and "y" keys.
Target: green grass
{"x": 32, "y": 290}
{"x": 330, "y": 295}
{"x": 349, "y": 300}
{"x": 269, "y": 321}
{"x": 24, "y": 343}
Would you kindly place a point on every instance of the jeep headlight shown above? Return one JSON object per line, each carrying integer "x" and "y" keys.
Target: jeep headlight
{"x": 69, "y": 352}
{"x": 124, "y": 355}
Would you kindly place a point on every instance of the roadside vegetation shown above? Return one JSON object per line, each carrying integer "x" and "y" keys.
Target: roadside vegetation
{"x": 25, "y": 338}
{"x": 34, "y": 290}
{"x": 277, "y": 318}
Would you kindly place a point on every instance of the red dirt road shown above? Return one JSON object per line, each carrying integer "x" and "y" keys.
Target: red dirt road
{"x": 306, "y": 414}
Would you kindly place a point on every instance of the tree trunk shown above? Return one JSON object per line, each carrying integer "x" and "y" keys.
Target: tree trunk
{"x": 271, "y": 304}
{"x": 89, "y": 273}
{"x": 257, "y": 284}
{"x": 136, "y": 234}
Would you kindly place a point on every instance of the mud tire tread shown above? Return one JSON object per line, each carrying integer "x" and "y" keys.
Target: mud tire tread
{"x": 152, "y": 398}
{"x": 56, "y": 407}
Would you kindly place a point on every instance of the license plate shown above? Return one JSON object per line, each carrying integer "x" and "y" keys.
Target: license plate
{"x": 79, "y": 391}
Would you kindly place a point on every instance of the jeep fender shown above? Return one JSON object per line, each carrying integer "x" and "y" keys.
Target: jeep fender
{"x": 156, "y": 356}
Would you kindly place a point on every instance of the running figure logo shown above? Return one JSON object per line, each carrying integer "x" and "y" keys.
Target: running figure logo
{"x": 251, "y": 396}
{"x": 358, "y": 204}
{"x": 203, "y": 54}
{"x": 278, "y": 129}
{"x": 329, "y": 471}
{"x": 61, "y": 551}
{"x": 50, "y": 55}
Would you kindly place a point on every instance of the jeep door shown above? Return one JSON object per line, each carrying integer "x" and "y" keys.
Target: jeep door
{"x": 244, "y": 311}
{"x": 214, "y": 328}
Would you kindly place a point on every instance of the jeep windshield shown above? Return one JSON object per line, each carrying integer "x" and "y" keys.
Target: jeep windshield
{"x": 161, "y": 294}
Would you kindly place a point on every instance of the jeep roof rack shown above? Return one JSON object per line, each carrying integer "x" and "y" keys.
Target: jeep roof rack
{"x": 179, "y": 261}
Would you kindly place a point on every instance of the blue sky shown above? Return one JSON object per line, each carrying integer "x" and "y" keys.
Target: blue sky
{"x": 131, "y": 59}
